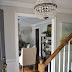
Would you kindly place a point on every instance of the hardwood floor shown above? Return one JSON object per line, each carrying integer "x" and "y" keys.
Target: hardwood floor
{"x": 26, "y": 70}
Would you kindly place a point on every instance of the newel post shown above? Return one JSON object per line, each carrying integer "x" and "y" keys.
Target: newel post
{"x": 41, "y": 66}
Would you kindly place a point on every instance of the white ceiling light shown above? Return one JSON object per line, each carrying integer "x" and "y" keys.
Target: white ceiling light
{"x": 45, "y": 9}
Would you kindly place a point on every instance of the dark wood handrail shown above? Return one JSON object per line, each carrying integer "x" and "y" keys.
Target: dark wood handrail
{"x": 58, "y": 50}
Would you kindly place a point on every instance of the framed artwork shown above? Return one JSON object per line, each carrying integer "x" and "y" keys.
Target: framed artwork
{"x": 49, "y": 29}
{"x": 66, "y": 30}
{"x": 48, "y": 32}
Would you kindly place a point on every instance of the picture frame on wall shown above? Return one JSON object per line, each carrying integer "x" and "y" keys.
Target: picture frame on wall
{"x": 49, "y": 29}
{"x": 65, "y": 31}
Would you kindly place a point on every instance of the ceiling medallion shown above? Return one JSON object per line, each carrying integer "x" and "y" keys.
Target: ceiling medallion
{"x": 45, "y": 9}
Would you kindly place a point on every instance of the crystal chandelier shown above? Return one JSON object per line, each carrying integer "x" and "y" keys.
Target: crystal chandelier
{"x": 45, "y": 9}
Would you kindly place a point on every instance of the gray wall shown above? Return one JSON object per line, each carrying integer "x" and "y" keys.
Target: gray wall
{"x": 42, "y": 26}
{"x": 27, "y": 33}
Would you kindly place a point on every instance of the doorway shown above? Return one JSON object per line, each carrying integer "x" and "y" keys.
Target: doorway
{"x": 16, "y": 36}
{"x": 27, "y": 35}
{"x": 37, "y": 45}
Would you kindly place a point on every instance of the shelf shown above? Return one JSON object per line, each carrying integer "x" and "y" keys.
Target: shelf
{"x": 46, "y": 43}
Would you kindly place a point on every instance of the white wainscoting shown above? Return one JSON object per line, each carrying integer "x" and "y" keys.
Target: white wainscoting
{"x": 11, "y": 65}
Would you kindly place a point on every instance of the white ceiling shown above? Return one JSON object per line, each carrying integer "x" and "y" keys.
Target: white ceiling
{"x": 27, "y": 21}
{"x": 63, "y": 4}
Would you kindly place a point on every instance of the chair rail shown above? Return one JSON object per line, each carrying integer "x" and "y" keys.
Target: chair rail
{"x": 58, "y": 50}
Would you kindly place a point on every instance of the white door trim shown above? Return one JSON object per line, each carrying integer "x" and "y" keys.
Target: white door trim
{"x": 16, "y": 38}
{"x": 16, "y": 35}
{"x": 53, "y": 43}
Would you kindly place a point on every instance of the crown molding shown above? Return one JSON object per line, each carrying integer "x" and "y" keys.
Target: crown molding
{"x": 17, "y": 4}
{"x": 29, "y": 5}
{"x": 64, "y": 10}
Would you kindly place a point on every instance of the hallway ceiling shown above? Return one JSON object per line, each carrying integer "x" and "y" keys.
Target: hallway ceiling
{"x": 63, "y": 4}
{"x": 28, "y": 21}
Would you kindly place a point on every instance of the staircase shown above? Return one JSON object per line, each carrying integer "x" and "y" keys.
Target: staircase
{"x": 41, "y": 66}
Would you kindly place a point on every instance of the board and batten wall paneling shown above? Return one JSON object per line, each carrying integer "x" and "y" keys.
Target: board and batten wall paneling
{"x": 9, "y": 27}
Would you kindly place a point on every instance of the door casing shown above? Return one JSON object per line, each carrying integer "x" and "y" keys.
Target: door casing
{"x": 53, "y": 38}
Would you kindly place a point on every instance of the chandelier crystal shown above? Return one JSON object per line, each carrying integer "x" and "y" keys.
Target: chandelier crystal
{"x": 45, "y": 9}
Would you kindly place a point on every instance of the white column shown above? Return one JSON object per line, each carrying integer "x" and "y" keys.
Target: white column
{"x": 53, "y": 43}
{"x": 68, "y": 57}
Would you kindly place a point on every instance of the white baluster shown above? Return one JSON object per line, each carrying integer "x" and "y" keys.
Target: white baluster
{"x": 49, "y": 67}
{"x": 64, "y": 59}
{"x": 71, "y": 66}
{"x": 59, "y": 61}
{"x": 68, "y": 56}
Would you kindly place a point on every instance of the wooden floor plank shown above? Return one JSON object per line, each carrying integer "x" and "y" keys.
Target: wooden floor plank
{"x": 26, "y": 70}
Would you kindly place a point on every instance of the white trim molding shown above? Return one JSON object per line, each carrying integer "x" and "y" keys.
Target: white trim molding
{"x": 29, "y": 5}
{"x": 53, "y": 43}
{"x": 26, "y": 15}
{"x": 16, "y": 36}
{"x": 10, "y": 60}
{"x": 17, "y": 4}
{"x": 64, "y": 10}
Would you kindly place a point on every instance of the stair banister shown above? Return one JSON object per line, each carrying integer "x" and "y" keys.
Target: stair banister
{"x": 57, "y": 51}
